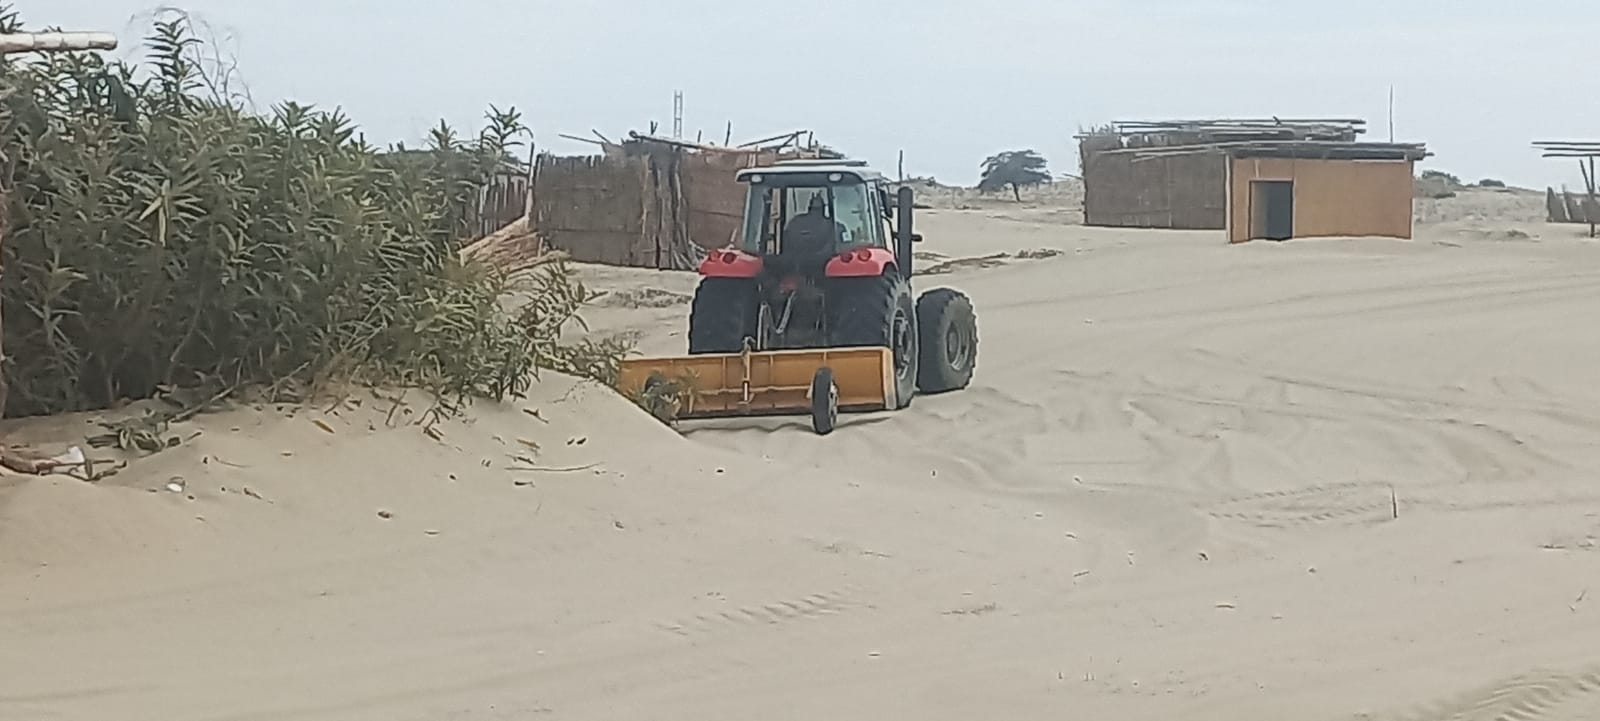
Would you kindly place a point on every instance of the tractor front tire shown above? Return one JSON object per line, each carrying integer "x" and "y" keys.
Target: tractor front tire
{"x": 824, "y": 401}
{"x": 724, "y": 313}
{"x": 948, "y": 329}
{"x": 877, "y": 312}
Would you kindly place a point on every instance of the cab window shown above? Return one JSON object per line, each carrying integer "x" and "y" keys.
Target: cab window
{"x": 853, "y": 211}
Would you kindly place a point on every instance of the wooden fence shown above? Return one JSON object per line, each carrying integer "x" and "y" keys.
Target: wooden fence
{"x": 650, "y": 204}
{"x": 501, "y": 202}
{"x": 1187, "y": 192}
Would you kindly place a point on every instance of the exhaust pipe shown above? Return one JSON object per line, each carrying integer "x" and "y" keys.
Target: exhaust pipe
{"x": 55, "y": 42}
{"x": 904, "y": 234}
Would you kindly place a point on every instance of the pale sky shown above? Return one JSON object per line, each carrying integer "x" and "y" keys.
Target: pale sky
{"x": 948, "y": 81}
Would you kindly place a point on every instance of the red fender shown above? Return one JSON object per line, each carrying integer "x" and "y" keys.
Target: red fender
{"x": 730, "y": 263}
{"x": 860, "y": 263}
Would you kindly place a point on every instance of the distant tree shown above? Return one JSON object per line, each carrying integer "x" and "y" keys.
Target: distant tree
{"x": 1016, "y": 168}
{"x": 1491, "y": 183}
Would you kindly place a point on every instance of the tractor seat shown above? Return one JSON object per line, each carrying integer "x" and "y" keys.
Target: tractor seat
{"x": 793, "y": 263}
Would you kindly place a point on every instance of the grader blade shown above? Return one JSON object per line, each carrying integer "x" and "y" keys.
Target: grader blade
{"x": 775, "y": 382}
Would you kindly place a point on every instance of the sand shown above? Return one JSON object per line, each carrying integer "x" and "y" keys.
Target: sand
{"x": 1324, "y": 479}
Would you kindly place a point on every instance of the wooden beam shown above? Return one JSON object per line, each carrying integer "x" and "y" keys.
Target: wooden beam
{"x": 787, "y": 137}
{"x": 634, "y": 135}
{"x": 580, "y": 139}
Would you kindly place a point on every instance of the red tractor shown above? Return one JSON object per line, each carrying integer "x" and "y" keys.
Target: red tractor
{"x": 825, "y": 262}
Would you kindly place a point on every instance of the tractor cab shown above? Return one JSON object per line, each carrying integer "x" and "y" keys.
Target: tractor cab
{"x": 813, "y": 209}
{"x": 818, "y": 218}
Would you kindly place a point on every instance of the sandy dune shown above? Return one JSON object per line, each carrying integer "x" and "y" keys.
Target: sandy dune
{"x": 1171, "y": 493}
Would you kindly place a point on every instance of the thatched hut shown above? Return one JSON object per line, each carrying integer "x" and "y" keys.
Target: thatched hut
{"x": 1185, "y": 190}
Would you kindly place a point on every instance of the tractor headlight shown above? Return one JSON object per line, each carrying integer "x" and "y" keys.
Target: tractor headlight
{"x": 835, "y": 177}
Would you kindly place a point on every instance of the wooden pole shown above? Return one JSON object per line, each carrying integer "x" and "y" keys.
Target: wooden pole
{"x": 902, "y": 166}
{"x": 1588, "y": 184}
{"x": 533, "y": 173}
{"x": 727, "y": 137}
{"x": 1391, "y": 113}
{"x": 1589, "y": 211}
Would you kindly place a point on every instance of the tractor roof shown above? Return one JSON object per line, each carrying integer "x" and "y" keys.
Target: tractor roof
{"x": 851, "y": 168}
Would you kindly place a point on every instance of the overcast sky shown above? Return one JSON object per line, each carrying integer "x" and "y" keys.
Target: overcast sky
{"x": 949, "y": 82}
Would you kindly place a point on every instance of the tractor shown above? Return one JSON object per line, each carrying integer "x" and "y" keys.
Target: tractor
{"x": 811, "y": 307}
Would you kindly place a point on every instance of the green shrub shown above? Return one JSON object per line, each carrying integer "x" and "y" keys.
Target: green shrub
{"x": 159, "y": 234}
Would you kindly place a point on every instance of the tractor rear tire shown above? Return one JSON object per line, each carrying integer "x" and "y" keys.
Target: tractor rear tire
{"x": 724, "y": 313}
{"x": 878, "y": 312}
{"x": 948, "y": 329}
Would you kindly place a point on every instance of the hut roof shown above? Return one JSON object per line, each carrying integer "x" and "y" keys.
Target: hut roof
{"x": 1311, "y": 149}
{"x": 1567, "y": 148}
{"x": 1215, "y": 130}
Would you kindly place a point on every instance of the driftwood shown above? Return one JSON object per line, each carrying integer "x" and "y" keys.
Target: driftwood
{"x": 12, "y": 460}
{"x": 23, "y": 460}
{"x": 510, "y": 250}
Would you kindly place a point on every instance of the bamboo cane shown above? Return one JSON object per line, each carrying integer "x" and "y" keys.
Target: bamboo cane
{"x": 55, "y": 42}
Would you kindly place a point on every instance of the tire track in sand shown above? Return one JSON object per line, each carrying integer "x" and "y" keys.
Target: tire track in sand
{"x": 1536, "y": 696}
{"x": 749, "y": 617}
{"x": 1367, "y": 502}
{"x": 1326, "y": 504}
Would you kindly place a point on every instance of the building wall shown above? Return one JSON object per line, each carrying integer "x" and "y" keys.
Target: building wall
{"x": 1178, "y": 191}
{"x": 1331, "y": 197}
